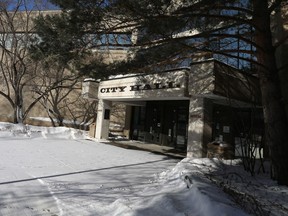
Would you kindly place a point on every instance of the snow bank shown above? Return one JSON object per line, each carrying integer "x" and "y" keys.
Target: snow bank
{"x": 170, "y": 194}
{"x": 29, "y": 131}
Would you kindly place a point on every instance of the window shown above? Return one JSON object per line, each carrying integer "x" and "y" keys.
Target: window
{"x": 109, "y": 41}
{"x": 16, "y": 40}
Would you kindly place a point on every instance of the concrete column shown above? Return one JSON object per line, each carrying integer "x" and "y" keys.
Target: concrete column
{"x": 208, "y": 124}
{"x": 128, "y": 116}
{"x": 103, "y": 119}
{"x": 198, "y": 130}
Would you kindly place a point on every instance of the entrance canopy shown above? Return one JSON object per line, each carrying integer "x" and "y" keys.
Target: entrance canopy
{"x": 205, "y": 79}
{"x": 157, "y": 86}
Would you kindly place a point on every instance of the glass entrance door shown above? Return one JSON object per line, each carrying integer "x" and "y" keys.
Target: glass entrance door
{"x": 165, "y": 123}
{"x": 181, "y": 127}
{"x": 154, "y": 122}
{"x": 137, "y": 123}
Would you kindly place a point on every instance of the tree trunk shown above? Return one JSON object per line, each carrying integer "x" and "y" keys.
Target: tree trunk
{"x": 15, "y": 120}
{"x": 19, "y": 112}
{"x": 276, "y": 124}
{"x": 18, "y": 108}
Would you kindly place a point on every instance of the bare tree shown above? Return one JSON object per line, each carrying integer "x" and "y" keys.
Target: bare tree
{"x": 64, "y": 102}
{"x": 84, "y": 112}
{"x": 17, "y": 69}
{"x": 25, "y": 81}
{"x": 53, "y": 84}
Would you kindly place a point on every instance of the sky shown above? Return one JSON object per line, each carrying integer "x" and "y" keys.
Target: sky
{"x": 30, "y": 4}
{"x": 60, "y": 171}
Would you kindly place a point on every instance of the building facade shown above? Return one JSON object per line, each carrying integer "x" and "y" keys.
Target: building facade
{"x": 185, "y": 108}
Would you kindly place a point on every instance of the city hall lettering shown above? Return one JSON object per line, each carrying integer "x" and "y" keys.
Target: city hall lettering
{"x": 144, "y": 87}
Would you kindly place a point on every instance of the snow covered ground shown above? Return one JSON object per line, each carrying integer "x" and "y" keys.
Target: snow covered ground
{"x": 58, "y": 171}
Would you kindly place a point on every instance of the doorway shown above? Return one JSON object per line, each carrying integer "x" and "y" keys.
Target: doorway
{"x": 161, "y": 122}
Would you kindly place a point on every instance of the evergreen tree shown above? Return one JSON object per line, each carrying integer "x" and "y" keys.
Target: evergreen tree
{"x": 169, "y": 30}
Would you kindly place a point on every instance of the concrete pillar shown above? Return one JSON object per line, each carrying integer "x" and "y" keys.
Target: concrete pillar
{"x": 208, "y": 124}
{"x": 103, "y": 119}
{"x": 128, "y": 116}
{"x": 199, "y": 131}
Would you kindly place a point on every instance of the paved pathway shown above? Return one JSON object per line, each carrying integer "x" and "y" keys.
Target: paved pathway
{"x": 158, "y": 149}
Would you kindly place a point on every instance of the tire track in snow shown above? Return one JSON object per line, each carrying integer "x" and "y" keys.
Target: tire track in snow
{"x": 58, "y": 202}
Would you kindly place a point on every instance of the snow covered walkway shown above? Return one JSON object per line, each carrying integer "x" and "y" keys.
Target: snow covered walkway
{"x": 57, "y": 172}
{"x": 75, "y": 177}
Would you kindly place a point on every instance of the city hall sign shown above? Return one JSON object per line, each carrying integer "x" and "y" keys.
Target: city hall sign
{"x": 138, "y": 87}
{"x": 164, "y": 85}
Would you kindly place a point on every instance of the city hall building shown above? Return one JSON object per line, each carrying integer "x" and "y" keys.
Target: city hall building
{"x": 185, "y": 108}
